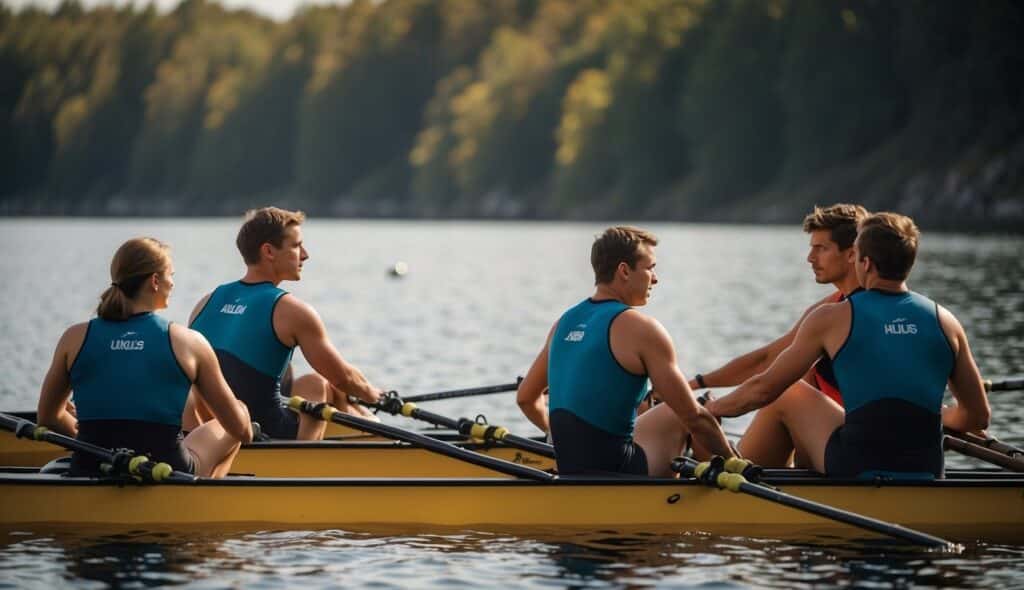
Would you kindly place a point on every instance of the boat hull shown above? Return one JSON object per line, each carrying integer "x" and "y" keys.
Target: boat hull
{"x": 990, "y": 508}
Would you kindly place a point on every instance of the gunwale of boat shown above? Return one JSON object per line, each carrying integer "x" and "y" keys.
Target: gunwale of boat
{"x": 977, "y": 478}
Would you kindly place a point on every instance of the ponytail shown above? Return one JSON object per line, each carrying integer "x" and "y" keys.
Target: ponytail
{"x": 134, "y": 262}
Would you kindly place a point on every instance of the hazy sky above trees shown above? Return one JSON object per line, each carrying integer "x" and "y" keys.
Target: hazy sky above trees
{"x": 278, "y": 9}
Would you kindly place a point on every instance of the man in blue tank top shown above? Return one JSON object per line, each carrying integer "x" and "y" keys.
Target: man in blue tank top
{"x": 893, "y": 352}
{"x": 766, "y": 441}
{"x": 254, "y": 326}
{"x": 596, "y": 362}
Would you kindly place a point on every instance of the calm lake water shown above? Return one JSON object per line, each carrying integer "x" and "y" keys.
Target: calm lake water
{"x": 473, "y": 310}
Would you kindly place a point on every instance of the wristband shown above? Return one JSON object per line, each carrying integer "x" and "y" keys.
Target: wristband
{"x": 700, "y": 380}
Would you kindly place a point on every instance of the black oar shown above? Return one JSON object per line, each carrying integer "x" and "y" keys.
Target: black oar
{"x": 713, "y": 473}
{"x": 395, "y": 405}
{"x": 465, "y": 392}
{"x": 964, "y": 447}
{"x": 1004, "y": 385}
{"x": 113, "y": 462}
{"x": 330, "y": 413}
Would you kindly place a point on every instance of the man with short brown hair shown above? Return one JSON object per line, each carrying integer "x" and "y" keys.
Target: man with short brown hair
{"x": 832, "y": 232}
{"x": 894, "y": 352}
{"x": 254, "y": 326}
{"x": 596, "y": 362}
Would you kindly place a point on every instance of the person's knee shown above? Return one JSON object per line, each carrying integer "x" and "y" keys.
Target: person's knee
{"x": 312, "y": 387}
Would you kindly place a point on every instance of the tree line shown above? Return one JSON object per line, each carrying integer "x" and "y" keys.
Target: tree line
{"x": 513, "y": 108}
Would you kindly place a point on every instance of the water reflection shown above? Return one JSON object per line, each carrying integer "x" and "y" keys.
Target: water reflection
{"x": 331, "y": 558}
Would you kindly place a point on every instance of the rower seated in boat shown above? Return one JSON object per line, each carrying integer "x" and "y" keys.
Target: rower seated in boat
{"x": 766, "y": 441}
{"x": 131, "y": 370}
{"x": 596, "y": 362}
{"x": 254, "y": 326}
{"x": 893, "y": 352}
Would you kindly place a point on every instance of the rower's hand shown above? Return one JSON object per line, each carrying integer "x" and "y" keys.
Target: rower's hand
{"x": 69, "y": 407}
{"x": 705, "y": 400}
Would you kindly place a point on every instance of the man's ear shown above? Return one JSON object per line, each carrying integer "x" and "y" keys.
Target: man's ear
{"x": 624, "y": 269}
{"x": 267, "y": 251}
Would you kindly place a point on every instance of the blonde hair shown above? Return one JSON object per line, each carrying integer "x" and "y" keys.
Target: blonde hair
{"x": 617, "y": 244}
{"x": 134, "y": 262}
{"x": 890, "y": 241}
{"x": 262, "y": 226}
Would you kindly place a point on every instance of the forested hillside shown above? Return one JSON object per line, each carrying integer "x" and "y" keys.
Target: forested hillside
{"x": 643, "y": 109}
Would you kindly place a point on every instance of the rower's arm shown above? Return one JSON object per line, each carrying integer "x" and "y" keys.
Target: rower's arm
{"x": 213, "y": 390}
{"x": 52, "y": 410}
{"x": 971, "y": 412}
{"x": 658, "y": 355}
{"x": 530, "y": 395}
{"x": 303, "y": 324}
{"x": 763, "y": 388}
{"x": 756, "y": 361}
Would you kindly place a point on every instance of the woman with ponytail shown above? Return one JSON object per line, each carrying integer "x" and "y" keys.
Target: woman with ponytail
{"x": 131, "y": 371}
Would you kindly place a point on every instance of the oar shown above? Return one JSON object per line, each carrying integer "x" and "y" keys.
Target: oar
{"x": 426, "y": 397}
{"x": 989, "y": 442}
{"x": 113, "y": 462}
{"x": 714, "y": 474}
{"x": 970, "y": 449}
{"x": 393, "y": 404}
{"x": 327, "y": 412}
{"x": 1004, "y": 385}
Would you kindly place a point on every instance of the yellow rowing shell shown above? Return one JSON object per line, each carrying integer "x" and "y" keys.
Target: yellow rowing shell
{"x": 351, "y": 454}
{"x": 967, "y": 506}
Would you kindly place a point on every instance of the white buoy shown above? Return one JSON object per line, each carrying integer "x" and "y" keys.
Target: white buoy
{"x": 399, "y": 269}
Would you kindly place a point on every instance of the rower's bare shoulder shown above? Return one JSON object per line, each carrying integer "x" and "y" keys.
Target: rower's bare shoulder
{"x": 827, "y": 315}
{"x": 642, "y": 326}
{"x": 951, "y": 327}
{"x": 73, "y": 337}
{"x": 291, "y": 308}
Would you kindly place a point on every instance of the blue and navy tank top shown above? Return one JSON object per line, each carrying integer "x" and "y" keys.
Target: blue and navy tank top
{"x": 584, "y": 377}
{"x": 238, "y": 320}
{"x": 896, "y": 349}
{"x": 126, "y": 370}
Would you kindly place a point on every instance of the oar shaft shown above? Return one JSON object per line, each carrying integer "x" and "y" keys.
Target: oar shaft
{"x": 985, "y": 454}
{"x": 465, "y": 392}
{"x": 528, "y": 444}
{"x": 466, "y": 428}
{"x": 119, "y": 461}
{"x": 989, "y": 442}
{"x": 1004, "y": 385}
{"x": 857, "y": 520}
{"x": 431, "y": 444}
{"x": 713, "y": 473}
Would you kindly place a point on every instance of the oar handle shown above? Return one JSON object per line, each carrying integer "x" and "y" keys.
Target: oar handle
{"x": 327, "y": 412}
{"x": 466, "y": 392}
{"x": 1004, "y": 385}
{"x": 714, "y": 474}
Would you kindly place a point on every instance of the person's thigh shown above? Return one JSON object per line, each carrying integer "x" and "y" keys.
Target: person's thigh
{"x": 209, "y": 444}
{"x": 767, "y": 441}
{"x": 661, "y": 435}
{"x": 810, "y": 418}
